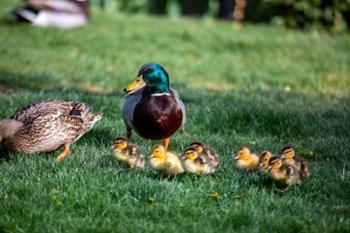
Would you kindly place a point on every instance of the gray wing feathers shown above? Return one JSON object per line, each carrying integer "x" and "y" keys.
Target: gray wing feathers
{"x": 129, "y": 106}
{"x": 182, "y": 106}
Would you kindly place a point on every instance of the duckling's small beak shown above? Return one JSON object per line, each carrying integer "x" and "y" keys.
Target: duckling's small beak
{"x": 261, "y": 165}
{"x": 235, "y": 157}
{"x": 269, "y": 167}
{"x": 135, "y": 85}
{"x": 282, "y": 157}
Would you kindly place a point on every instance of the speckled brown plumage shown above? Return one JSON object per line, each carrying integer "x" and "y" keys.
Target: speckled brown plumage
{"x": 48, "y": 125}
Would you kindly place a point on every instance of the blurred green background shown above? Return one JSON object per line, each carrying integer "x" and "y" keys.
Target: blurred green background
{"x": 328, "y": 14}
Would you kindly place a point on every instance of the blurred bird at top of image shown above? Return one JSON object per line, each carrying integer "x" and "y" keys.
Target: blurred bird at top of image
{"x": 55, "y": 13}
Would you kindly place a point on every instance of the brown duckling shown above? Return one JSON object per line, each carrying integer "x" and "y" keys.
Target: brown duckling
{"x": 128, "y": 153}
{"x": 283, "y": 173}
{"x": 212, "y": 158}
{"x": 288, "y": 157}
{"x": 245, "y": 160}
{"x": 264, "y": 160}
{"x": 164, "y": 161}
{"x": 200, "y": 164}
{"x": 47, "y": 125}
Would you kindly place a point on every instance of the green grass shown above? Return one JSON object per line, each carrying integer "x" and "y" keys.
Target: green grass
{"x": 259, "y": 86}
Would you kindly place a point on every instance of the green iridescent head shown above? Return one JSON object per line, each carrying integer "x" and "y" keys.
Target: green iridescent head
{"x": 152, "y": 75}
{"x": 156, "y": 77}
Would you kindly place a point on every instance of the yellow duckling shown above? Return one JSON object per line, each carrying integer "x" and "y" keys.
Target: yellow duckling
{"x": 283, "y": 173}
{"x": 208, "y": 153}
{"x": 127, "y": 153}
{"x": 164, "y": 161}
{"x": 200, "y": 164}
{"x": 264, "y": 161}
{"x": 245, "y": 160}
{"x": 288, "y": 157}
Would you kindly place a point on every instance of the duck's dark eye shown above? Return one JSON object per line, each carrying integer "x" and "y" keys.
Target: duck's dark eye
{"x": 149, "y": 70}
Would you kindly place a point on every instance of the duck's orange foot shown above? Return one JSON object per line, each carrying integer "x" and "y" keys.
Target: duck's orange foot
{"x": 64, "y": 153}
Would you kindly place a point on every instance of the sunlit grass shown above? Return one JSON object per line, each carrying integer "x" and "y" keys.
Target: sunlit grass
{"x": 259, "y": 86}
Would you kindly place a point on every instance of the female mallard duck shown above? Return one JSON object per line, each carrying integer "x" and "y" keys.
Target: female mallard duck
{"x": 128, "y": 153}
{"x": 153, "y": 109}
{"x": 47, "y": 125}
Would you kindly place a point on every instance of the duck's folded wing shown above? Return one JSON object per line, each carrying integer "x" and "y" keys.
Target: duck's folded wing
{"x": 129, "y": 107}
{"x": 33, "y": 110}
{"x": 182, "y": 106}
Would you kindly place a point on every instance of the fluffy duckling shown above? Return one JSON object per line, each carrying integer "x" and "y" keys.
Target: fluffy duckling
{"x": 288, "y": 157}
{"x": 204, "y": 151}
{"x": 200, "y": 164}
{"x": 283, "y": 173}
{"x": 264, "y": 161}
{"x": 164, "y": 161}
{"x": 127, "y": 153}
{"x": 245, "y": 160}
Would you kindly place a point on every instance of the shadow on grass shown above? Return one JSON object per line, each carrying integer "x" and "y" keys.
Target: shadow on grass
{"x": 46, "y": 83}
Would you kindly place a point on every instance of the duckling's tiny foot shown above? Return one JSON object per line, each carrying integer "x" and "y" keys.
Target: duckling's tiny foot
{"x": 166, "y": 142}
{"x": 64, "y": 153}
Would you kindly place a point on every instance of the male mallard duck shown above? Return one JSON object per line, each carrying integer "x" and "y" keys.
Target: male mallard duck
{"x": 288, "y": 156}
{"x": 283, "y": 173}
{"x": 153, "y": 109}
{"x": 264, "y": 161}
{"x": 128, "y": 153}
{"x": 47, "y": 125}
{"x": 245, "y": 160}
{"x": 194, "y": 162}
{"x": 209, "y": 153}
{"x": 165, "y": 161}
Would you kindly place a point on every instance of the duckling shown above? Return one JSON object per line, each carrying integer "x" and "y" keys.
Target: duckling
{"x": 288, "y": 157}
{"x": 47, "y": 125}
{"x": 164, "y": 161}
{"x": 194, "y": 162}
{"x": 245, "y": 160}
{"x": 204, "y": 151}
{"x": 264, "y": 161}
{"x": 283, "y": 173}
{"x": 127, "y": 153}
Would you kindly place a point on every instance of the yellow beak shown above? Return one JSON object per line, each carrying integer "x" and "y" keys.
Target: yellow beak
{"x": 135, "y": 85}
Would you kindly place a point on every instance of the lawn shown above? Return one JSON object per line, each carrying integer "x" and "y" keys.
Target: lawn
{"x": 258, "y": 86}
